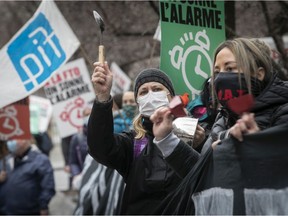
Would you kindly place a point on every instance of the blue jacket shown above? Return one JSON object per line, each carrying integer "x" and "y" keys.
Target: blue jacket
{"x": 121, "y": 122}
{"x": 30, "y": 185}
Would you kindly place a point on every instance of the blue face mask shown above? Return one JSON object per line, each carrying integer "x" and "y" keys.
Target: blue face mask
{"x": 129, "y": 110}
{"x": 12, "y": 146}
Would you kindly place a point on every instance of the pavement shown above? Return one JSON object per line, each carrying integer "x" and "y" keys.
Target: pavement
{"x": 65, "y": 200}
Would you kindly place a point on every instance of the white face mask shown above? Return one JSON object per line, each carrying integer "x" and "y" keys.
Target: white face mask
{"x": 152, "y": 101}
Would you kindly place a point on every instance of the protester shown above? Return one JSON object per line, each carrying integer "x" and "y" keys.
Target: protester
{"x": 123, "y": 118}
{"x": 101, "y": 187}
{"x": 29, "y": 186}
{"x": 129, "y": 105}
{"x": 78, "y": 151}
{"x": 249, "y": 61}
{"x": 133, "y": 154}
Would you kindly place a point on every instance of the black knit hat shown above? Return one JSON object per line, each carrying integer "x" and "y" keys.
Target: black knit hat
{"x": 153, "y": 75}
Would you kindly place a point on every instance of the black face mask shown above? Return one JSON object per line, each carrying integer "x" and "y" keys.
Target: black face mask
{"x": 227, "y": 86}
{"x": 147, "y": 124}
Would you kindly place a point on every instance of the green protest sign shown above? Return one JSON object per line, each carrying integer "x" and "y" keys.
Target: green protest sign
{"x": 191, "y": 31}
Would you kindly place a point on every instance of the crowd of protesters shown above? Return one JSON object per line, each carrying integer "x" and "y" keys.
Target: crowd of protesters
{"x": 151, "y": 158}
{"x": 128, "y": 159}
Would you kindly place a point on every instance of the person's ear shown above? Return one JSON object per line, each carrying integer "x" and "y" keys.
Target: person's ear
{"x": 260, "y": 73}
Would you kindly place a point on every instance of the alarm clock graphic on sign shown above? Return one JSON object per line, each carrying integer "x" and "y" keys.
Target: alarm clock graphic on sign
{"x": 9, "y": 124}
{"x": 73, "y": 114}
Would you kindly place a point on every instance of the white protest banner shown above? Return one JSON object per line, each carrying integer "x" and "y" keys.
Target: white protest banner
{"x": 40, "y": 114}
{"x": 70, "y": 91}
{"x": 35, "y": 52}
{"x": 121, "y": 82}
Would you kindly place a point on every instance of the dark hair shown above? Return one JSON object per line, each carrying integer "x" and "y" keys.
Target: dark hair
{"x": 207, "y": 101}
{"x": 118, "y": 100}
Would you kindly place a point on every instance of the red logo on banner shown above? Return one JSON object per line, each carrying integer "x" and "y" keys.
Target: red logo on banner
{"x": 15, "y": 121}
{"x": 73, "y": 113}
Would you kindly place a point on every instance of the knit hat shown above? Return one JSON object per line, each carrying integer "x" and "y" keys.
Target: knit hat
{"x": 153, "y": 75}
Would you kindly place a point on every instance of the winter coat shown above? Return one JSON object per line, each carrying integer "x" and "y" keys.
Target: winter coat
{"x": 30, "y": 185}
{"x": 270, "y": 109}
{"x": 147, "y": 175}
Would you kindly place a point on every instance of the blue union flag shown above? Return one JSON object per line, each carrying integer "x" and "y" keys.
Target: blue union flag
{"x": 35, "y": 53}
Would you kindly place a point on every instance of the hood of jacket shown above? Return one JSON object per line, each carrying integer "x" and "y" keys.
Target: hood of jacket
{"x": 275, "y": 94}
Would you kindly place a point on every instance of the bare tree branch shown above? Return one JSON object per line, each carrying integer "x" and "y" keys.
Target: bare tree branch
{"x": 278, "y": 40}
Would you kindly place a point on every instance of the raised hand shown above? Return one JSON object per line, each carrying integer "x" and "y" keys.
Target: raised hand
{"x": 102, "y": 79}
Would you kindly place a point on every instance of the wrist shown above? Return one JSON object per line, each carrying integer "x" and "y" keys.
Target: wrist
{"x": 168, "y": 144}
{"x": 102, "y": 98}
{"x": 161, "y": 138}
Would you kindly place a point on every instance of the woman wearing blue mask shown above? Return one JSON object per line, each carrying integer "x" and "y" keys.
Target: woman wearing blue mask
{"x": 134, "y": 154}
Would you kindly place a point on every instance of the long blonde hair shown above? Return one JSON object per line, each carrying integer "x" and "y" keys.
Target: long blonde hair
{"x": 138, "y": 127}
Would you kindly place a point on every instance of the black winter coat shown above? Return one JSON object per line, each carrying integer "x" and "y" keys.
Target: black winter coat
{"x": 148, "y": 177}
